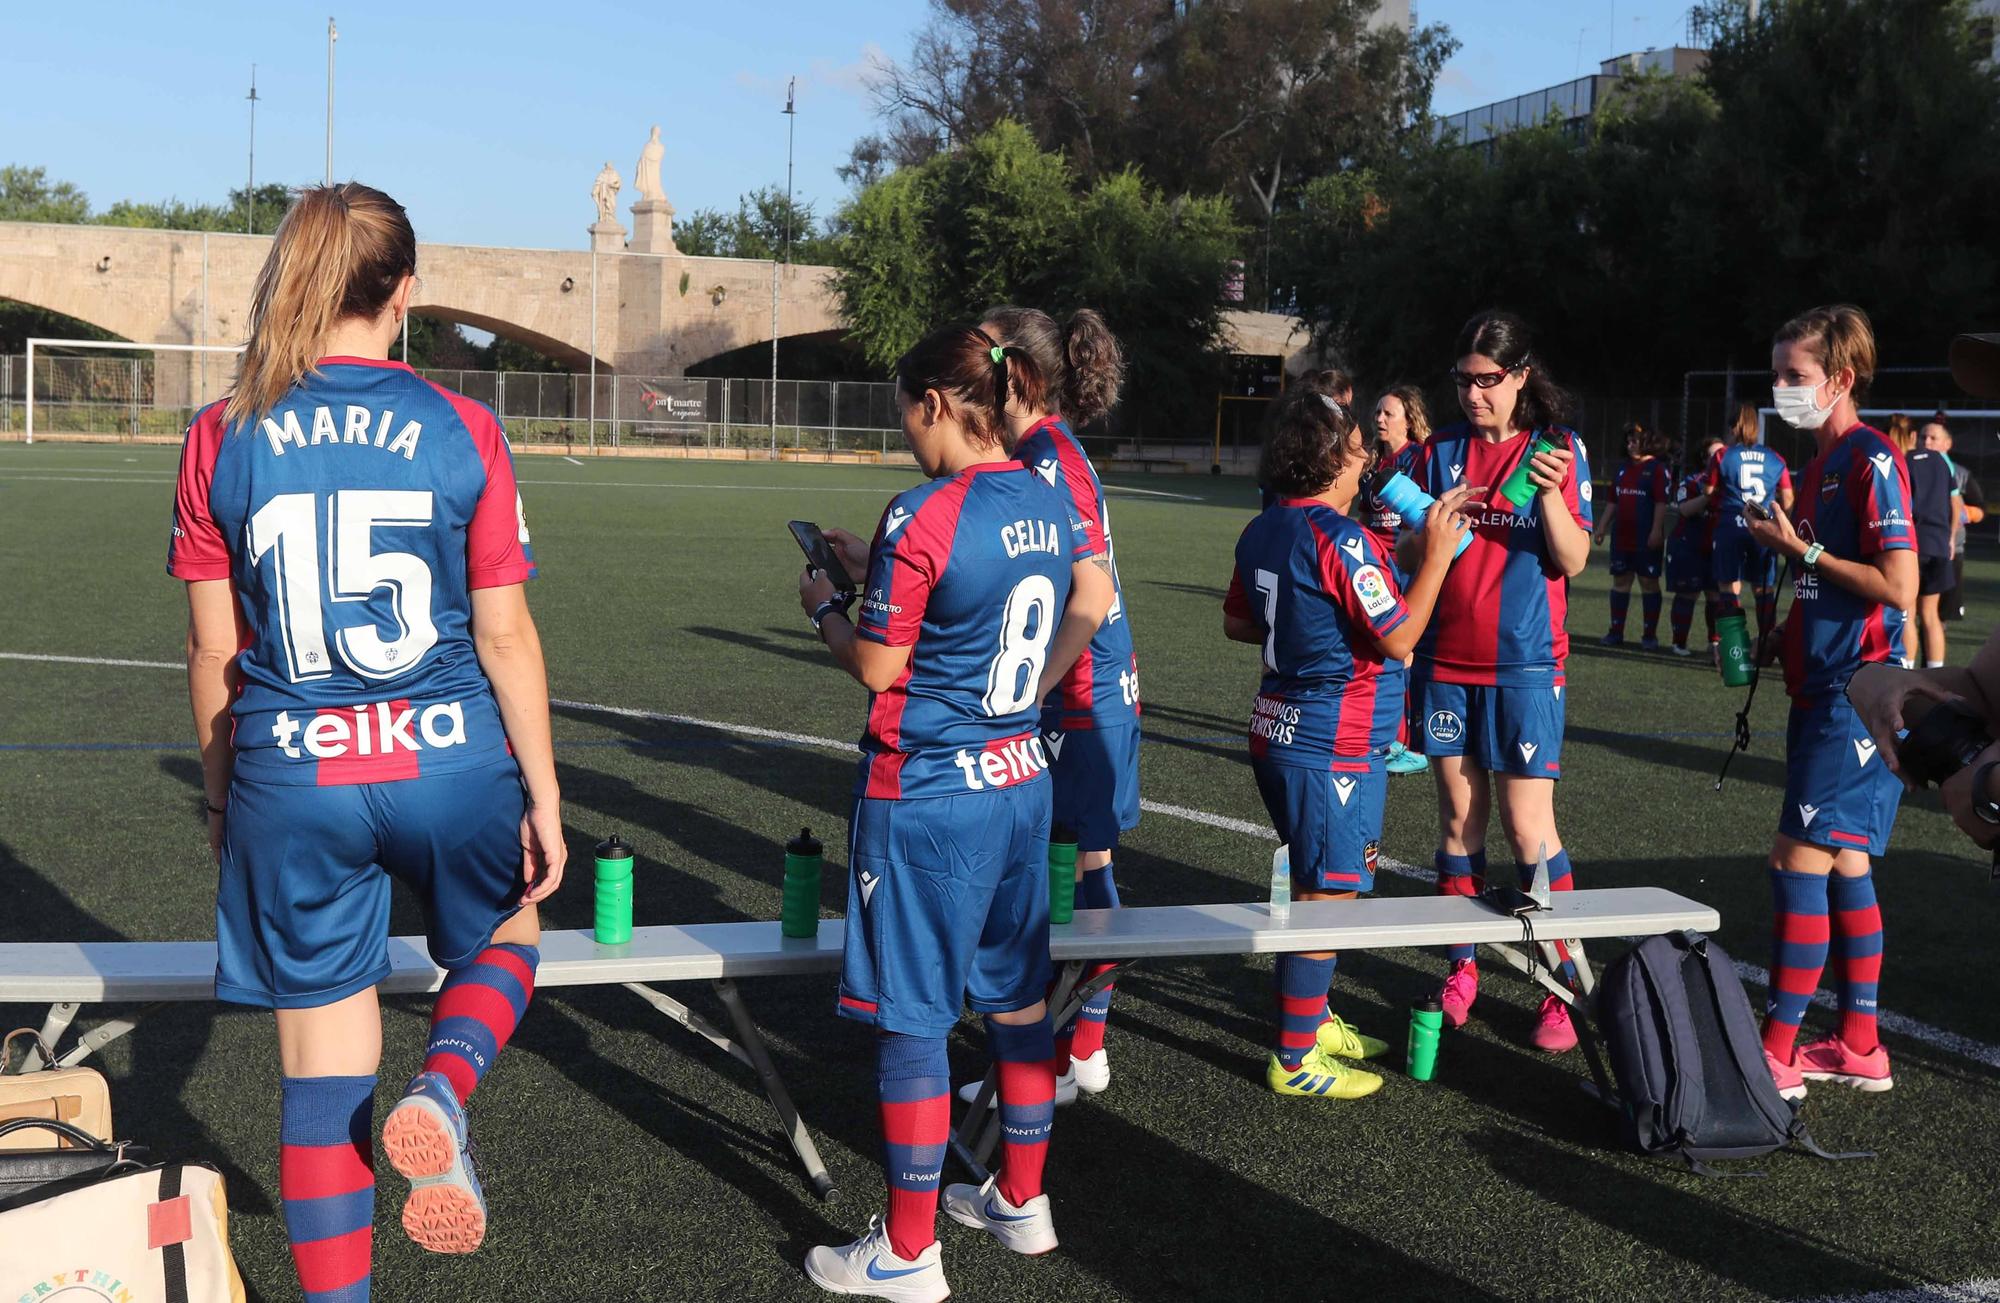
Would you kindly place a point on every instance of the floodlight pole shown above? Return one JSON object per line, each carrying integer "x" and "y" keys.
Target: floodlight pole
{"x": 250, "y": 195}
{"x": 791, "y": 124}
{"x": 332, "y": 35}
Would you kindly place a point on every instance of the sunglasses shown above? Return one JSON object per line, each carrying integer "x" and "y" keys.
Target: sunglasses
{"x": 1480, "y": 379}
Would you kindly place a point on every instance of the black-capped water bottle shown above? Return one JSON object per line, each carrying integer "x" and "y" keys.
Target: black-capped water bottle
{"x": 614, "y": 892}
{"x": 798, "y": 916}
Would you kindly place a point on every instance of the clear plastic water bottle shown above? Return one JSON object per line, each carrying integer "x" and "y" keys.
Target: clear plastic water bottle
{"x": 1281, "y": 885}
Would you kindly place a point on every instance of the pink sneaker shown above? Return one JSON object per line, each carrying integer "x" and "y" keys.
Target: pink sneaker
{"x": 1831, "y": 1060}
{"x": 1554, "y": 1033}
{"x": 1460, "y": 990}
{"x": 1791, "y": 1084}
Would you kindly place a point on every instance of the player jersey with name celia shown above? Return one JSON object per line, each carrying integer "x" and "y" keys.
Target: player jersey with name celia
{"x": 1322, "y": 591}
{"x": 1854, "y": 500}
{"x": 972, "y": 574}
{"x": 354, "y": 521}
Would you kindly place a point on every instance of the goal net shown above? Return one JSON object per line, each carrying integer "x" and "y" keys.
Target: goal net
{"x": 109, "y": 388}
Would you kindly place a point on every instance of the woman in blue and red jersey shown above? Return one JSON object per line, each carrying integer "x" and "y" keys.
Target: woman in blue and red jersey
{"x": 386, "y": 571}
{"x": 982, "y": 589}
{"x": 1688, "y": 572}
{"x": 1402, "y": 423}
{"x": 1744, "y": 473}
{"x": 1314, "y": 589}
{"x": 1090, "y": 724}
{"x": 1854, "y": 544}
{"x": 1636, "y": 524}
{"x": 1488, "y": 675}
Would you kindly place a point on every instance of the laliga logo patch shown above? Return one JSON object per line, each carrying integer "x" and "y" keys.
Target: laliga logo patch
{"x": 1046, "y": 468}
{"x": 521, "y": 515}
{"x": 1882, "y": 463}
{"x": 1343, "y": 787}
{"x": 1373, "y": 590}
{"x": 1864, "y": 751}
{"x": 1806, "y": 813}
{"x": 868, "y": 884}
{"x": 1583, "y": 490}
{"x": 1444, "y": 726}
{"x": 898, "y": 518}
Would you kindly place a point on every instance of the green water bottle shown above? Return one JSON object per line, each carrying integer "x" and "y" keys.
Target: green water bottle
{"x": 1062, "y": 875}
{"x": 614, "y": 892}
{"x": 1517, "y": 489}
{"x": 1426, "y": 1025}
{"x": 1738, "y": 667}
{"x": 799, "y": 915}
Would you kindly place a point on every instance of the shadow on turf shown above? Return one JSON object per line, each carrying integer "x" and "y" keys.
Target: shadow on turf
{"x": 1196, "y": 590}
{"x": 1753, "y": 1252}
{"x": 805, "y": 653}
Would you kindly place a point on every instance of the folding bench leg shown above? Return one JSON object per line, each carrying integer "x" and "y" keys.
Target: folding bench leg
{"x": 748, "y": 1049}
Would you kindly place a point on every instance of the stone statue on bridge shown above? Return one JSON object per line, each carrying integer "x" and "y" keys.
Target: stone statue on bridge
{"x": 605, "y": 192}
{"x": 646, "y": 178}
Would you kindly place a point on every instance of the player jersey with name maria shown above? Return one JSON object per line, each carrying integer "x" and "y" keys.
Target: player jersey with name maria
{"x": 1743, "y": 473}
{"x": 1376, "y": 516}
{"x": 1102, "y": 689}
{"x": 1504, "y": 601}
{"x": 972, "y": 574}
{"x": 354, "y": 521}
{"x": 1637, "y": 491}
{"x": 1323, "y": 592}
{"x": 1853, "y": 500}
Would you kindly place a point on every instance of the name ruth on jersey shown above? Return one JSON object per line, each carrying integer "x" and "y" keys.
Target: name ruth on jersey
{"x": 354, "y": 429}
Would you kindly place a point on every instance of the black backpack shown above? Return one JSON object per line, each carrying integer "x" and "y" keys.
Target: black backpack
{"x": 1690, "y": 1065}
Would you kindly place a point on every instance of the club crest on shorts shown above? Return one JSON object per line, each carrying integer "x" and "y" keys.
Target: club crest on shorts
{"x": 1445, "y": 726}
{"x": 1371, "y": 855}
{"x": 1373, "y": 590}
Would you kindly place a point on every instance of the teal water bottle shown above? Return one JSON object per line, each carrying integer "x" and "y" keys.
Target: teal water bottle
{"x": 614, "y": 892}
{"x": 1733, "y": 635}
{"x": 1062, "y": 875}
{"x": 1517, "y": 489}
{"x": 799, "y": 915}
{"x": 1426, "y": 1027}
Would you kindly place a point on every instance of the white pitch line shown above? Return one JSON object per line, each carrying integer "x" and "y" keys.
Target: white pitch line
{"x": 1898, "y": 1024}
{"x": 79, "y": 479}
{"x": 1154, "y": 493}
{"x": 572, "y": 461}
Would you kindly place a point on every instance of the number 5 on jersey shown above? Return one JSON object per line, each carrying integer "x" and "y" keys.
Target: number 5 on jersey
{"x": 287, "y": 529}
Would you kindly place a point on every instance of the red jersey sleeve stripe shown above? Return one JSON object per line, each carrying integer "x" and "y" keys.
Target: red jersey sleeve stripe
{"x": 1083, "y": 493}
{"x": 496, "y": 539}
{"x": 196, "y": 550}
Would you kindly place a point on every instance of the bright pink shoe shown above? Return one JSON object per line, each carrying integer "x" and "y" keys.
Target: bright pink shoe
{"x": 1460, "y": 990}
{"x": 1831, "y": 1060}
{"x": 1554, "y": 1032}
{"x": 1791, "y": 1084}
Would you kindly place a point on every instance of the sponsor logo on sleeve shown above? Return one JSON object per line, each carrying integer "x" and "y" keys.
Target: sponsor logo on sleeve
{"x": 1373, "y": 590}
{"x": 1046, "y": 468}
{"x": 897, "y": 518}
{"x": 1883, "y": 464}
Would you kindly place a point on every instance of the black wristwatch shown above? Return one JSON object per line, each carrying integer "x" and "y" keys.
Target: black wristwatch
{"x": 1983, "y": 805}
{"x": 841, "y": 602}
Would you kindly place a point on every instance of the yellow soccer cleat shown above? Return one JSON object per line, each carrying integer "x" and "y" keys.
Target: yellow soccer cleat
{"x": 1338, "y": 1037}
{"x": 1320, "y": 1074}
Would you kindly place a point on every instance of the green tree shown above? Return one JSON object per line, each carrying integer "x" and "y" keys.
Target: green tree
{"x": 757, "y": 229}
{"x": 1002, "y": 221}
{"x": 27, "y": 195}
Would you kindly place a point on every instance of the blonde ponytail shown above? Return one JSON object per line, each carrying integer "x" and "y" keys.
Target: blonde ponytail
{"x": 340, "y": 252}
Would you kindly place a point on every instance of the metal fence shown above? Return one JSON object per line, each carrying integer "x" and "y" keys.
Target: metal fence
{"x": 157, "y": 395}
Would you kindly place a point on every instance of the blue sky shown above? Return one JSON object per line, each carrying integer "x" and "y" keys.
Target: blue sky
{"x": 490, "y": 122}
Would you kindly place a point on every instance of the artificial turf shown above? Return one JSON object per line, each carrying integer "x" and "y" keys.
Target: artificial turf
{"x": 624, "y": 1159}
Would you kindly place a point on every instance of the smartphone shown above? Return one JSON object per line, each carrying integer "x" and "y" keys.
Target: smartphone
{"x": 1510, "y": 900}
{"x": 820, "y": 554}
{"x": 1757, "y": 511}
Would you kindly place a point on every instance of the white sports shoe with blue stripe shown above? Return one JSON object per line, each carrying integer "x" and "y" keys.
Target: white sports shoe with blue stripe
{"x": 870, "y": 1268}
{"x": 1029, "y": 1229}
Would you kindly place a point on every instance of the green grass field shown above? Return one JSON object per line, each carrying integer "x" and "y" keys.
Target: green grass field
{"x": 624, "y": 1159}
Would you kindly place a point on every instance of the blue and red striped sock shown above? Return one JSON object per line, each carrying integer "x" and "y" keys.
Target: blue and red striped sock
{"x": 1799, "y": 930}
{"x": 1857, "y": 923}
{"x": 1026, "y": 1056}
{"x": 326, "y": 1181}
{"x": 1302, "y": 985}
{"x": 1085, "y": 1034}
{"x": 478, "y": 1009}
{"x": 1649, "y": 608}
{"x": 1682, "y": 618}
{"x": 913, "y": 1082}
{"x": 1621, "y": 602}
{"x": 1560, "y": 879}
{"x": 1460, "y": 875}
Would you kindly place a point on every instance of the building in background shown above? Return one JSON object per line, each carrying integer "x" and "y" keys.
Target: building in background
{"x": 1573, "y": 103}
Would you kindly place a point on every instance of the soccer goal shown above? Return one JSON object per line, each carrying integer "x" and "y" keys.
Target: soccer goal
{"x": 103, "y": 388}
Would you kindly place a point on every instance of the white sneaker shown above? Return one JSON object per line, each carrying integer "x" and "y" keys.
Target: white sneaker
{"x": 1029, "y": 1229}
{"x": 1066, "y": 1086}
{"x": 1092, "y": 1075}
{"x": 871, "y": 1268}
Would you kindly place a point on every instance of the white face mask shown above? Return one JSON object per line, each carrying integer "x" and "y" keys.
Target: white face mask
{"x": 1796, "y": 407}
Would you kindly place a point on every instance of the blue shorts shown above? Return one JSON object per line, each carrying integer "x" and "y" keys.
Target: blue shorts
{"x": 1330, "y": 818}
{"x": 1838, "y": 793}
{"x": 1739, "y": 559}
{"x": 1688, "y": 566}
{"x": 302, "y": 902}
{"x": 1096, "y": 773}
{"x": 1501, "y": 730}
{"x": 947, "y": 905}
{"x": 1641, "y": 561}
